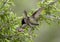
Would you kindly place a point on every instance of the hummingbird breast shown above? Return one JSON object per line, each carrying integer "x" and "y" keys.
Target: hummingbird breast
{"x": 25, "y": 20}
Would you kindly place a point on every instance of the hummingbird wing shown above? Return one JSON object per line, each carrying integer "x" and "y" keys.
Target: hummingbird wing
{"x": 37, "y": 13}
{"x": 25, "y": 14}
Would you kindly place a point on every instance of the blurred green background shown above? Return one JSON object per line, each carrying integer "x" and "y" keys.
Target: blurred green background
{"x": 47, "y": 33}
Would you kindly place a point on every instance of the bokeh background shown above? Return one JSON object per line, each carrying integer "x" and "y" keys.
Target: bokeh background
{"x": 47, "y": 33}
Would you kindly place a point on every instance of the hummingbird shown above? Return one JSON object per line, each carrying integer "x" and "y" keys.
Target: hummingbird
{"x": 32, "y": 20}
